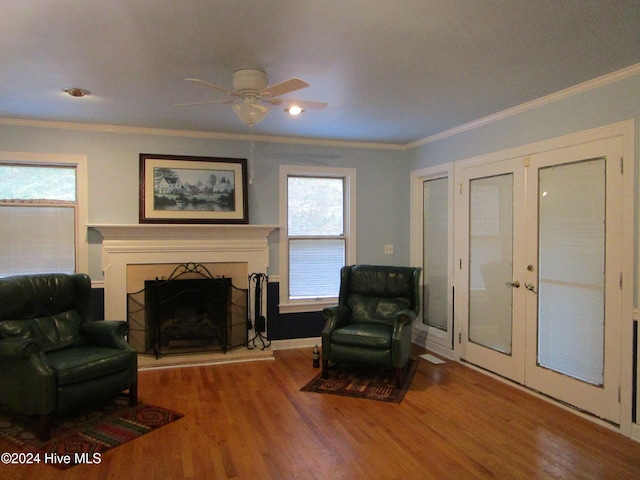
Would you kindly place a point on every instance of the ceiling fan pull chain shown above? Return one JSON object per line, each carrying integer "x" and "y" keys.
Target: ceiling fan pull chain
{"x": 251, "y": 153}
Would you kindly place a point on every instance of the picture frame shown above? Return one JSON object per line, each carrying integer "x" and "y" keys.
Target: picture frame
{"x": 190, "y": 189}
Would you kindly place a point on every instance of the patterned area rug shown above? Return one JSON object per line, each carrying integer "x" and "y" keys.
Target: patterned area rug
{"x": 85, "y": 436}
{"x": 363, "y": 383}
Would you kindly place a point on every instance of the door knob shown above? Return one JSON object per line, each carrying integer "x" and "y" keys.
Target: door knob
{"x": 530, "y": 287}
{"x": 514, "y": 284}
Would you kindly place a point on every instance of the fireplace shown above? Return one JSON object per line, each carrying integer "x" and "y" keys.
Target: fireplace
{"x": 190, "y": 312}
{"x": 186, "y": 315}
{"x": 134, "y": 253}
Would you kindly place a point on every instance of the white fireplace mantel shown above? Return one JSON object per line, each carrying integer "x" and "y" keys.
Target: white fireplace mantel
{"x": 137, "y": 244}
{"x": 181, "y": 231}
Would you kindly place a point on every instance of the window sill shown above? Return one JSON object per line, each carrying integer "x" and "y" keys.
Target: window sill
{"x": 307, "y": 306}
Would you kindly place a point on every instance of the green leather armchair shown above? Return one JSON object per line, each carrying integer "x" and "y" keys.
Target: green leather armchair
{"x": 371, "y": 325}
{"x": 53, "y": 357}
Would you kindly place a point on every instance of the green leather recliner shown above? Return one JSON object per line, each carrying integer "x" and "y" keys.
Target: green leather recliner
{"x": 371, "y": 325}
{"x": 53, "y": 357}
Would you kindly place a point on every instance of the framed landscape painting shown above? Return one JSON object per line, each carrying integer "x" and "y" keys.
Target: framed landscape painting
{"x": 185, "y": 189}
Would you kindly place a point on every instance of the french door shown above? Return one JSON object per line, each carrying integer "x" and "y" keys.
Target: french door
{"x": 540, "y": 264}
{"x": 491, "y": 217}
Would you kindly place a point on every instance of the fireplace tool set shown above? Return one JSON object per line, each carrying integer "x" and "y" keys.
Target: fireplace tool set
{"x": 259, "y": 320}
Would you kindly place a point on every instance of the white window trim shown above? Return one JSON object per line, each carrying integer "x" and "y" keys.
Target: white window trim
{"x": 80, "y": 163}
{"x": 349, "y": 175}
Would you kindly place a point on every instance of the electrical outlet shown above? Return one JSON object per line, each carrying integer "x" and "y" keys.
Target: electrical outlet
{"x": 388, "y": 249}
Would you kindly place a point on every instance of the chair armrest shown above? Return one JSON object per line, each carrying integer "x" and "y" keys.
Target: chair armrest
{"x": 28, "y": 383}
{"x": 106, "y": 333}
{"x": 401, "y": 337}
{"x": 18, "y": 347}
{"x": 405, "y": 317}
{"x": 22, "y": 356}
{"x": 403, "y": 320}
{"x": 336, "y": 317}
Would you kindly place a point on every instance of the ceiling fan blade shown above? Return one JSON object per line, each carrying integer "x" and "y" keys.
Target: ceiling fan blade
{"x": 202, "y": 103}
{"x": 211, "y": 85}
{"x": 306, "y": 104}
{"x": 281, "y": 88}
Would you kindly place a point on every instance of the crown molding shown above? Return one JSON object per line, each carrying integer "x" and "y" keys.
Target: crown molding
{"x": 598, "y": 82}
{"x": 91, "y": 127}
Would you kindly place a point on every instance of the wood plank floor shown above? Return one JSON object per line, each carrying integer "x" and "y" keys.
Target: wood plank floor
{"x": 250, "y": 420}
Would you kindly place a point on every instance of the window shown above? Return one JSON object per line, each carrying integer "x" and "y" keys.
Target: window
{"x": 317, "y": 216}
{"x": 435, "y": 256}
{"x": 40, "y": 207}
{"x": 432, "y": 247}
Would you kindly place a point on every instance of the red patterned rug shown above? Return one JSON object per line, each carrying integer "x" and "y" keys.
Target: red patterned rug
{"x": 84, "y": 437}
{"x": 356, "y": 382}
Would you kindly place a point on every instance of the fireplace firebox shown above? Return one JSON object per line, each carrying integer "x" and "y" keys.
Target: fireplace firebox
{"x": 191, "y": 311}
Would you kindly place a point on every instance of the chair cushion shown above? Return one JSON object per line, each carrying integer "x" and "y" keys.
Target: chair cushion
{"x": 376, "y": 309}
{"x": 52, "y": 333}
{"x": 77, "y": 364}
{"x": 369, "y": 335}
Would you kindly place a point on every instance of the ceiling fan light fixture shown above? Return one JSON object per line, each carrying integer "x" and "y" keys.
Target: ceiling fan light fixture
{"x": 251, "y": 92}
{"x": 250, "y": 112}
{"x": 294, "y": 110}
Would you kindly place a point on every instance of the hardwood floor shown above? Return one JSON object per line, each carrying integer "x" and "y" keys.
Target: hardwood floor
{"x": 250, "y": 420}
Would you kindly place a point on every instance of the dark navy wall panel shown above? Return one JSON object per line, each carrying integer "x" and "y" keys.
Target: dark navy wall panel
{"x": 97, "y": 300}
{"x": 290, "y": 325}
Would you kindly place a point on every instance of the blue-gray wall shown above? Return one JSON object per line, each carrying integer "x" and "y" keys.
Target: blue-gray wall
{"x": 605, "y": 105}
{"x": 608, "y": 104}
{"x": 113, "y": 185}
{"x": 113, "y": 171}
{"x": 382, "y": 174}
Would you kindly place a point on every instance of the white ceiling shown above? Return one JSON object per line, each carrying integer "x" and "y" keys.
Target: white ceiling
{"x": 392, "y": 71}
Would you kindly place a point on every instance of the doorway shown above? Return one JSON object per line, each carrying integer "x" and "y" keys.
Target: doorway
{"x": 540, "y": 271}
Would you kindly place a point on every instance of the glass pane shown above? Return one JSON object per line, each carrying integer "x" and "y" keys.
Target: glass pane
{"x": 571, "y": 269}
{"x": 315, "y": 206}
{"x": 491, "y": 262}
{"x": 436, "y": 252}
{"x": 25, "y": 182}
{"x": 314, "y": 267}
{"x": 37, "y": 240}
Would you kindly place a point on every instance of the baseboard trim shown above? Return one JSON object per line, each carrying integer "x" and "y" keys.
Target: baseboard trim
{"x": 292, "y": 343}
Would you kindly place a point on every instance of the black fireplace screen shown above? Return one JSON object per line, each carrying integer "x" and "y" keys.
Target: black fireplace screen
{"x": 190, "y": 312}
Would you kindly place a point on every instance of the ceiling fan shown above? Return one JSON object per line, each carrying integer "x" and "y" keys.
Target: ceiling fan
{"x": 251, "y": 95}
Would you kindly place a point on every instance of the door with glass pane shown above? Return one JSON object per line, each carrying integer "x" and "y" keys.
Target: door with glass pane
{"x": 436, "y": 261}
{"x": 489, "y": 281}
{"x": 574, "y": 259}
{"x": 540, "y": 242}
